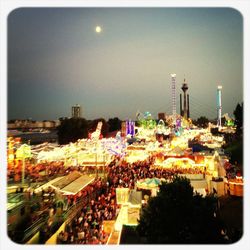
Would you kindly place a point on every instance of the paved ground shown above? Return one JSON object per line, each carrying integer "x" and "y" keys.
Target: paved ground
{"x": 114, "y": 238}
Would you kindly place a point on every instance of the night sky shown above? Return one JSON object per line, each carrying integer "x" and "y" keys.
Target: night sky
{"x": 57, "y": 60}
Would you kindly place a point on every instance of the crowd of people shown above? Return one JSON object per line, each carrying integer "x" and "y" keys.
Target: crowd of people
{"x": 177, "y": 170}
{"x": 126, "y": 174}
{"x": 87, "y": 227}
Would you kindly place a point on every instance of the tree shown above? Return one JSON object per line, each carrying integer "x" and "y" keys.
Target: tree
{"x": 238, "y": 114}
{"x": 235, "y": 150}
{"x": 178, "y": 216}
{"x": 114, "y": 124}
{"x": 70, "y": 130}
{"x": 202, "y": 122}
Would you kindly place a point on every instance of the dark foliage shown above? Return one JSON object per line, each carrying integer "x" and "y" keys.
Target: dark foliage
{"x": 114, "y": 124}
{"x": 235, "y": 150}
{"x": 70, "y": 130}
{"x": 201, "y": 122}
{"x": 238, "y": 114}
{"x": 177, "y": 216}
{"x": 234, "y": 142}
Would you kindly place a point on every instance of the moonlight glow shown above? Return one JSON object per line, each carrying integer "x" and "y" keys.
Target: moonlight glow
{"x": 98, "y": 29}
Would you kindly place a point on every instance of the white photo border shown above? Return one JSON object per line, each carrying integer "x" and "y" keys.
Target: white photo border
{"x": 6, "y": 6}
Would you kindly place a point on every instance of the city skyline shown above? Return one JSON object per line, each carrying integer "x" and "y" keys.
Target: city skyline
{"x": 56, "y": 59}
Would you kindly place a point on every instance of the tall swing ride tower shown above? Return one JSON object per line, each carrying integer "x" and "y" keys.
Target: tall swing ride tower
{"x": 219, "y": 105}
{"x": 173, "y": 77}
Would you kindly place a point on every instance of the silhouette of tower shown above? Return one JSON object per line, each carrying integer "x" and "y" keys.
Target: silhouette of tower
{"x": 185, "y": 112}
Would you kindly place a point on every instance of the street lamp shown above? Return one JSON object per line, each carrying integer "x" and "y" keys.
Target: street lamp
{"x": 22, "y": 153}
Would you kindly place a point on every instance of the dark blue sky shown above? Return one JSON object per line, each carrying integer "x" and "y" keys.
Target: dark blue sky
{"x": 56, "y": 60}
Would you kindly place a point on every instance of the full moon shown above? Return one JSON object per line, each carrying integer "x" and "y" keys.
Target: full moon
{"x": 98, "y": 29}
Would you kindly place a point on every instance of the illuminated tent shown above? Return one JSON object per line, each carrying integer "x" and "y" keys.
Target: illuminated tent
{"x": 56, "y": 154}
{"x": 176, "y": 151}
{"x": 83, "y": 151}
{"x": 136, "y": 155}
{"x": 148, "y": 183}
{"x": 170, "y": 162}
{"x": 73, "y": 183}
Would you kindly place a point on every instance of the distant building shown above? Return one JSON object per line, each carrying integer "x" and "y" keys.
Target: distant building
{"x": 49, "y": 124}
{"x": 28, "y": 124}
{"x": 76, "y": 111}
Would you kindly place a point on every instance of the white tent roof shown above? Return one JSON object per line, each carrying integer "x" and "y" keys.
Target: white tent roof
{"x": 73, "y": 183}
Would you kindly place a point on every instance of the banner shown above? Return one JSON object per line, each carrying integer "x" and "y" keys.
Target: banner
{"x": 122, "y": 195}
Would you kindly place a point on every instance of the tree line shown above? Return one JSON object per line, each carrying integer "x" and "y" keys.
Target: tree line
{"x": 72, "y": 129}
